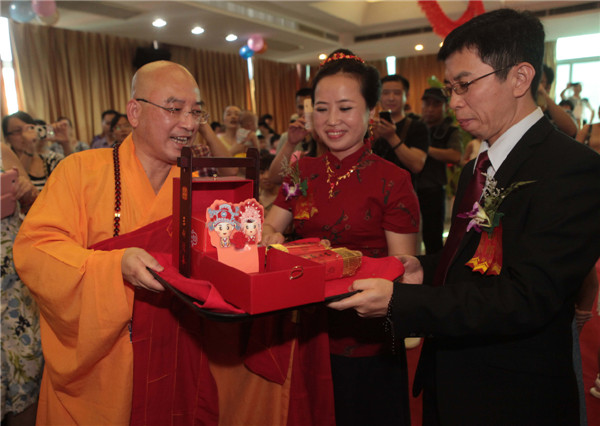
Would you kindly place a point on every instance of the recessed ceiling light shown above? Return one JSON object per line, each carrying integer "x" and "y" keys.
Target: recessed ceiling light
{"x": 231, "y": 37}
{"x": 419, "y": 47}
{"x": 159, "y": 23}
{"x": 197, "y": 30}
{"x": 322, "y": 57}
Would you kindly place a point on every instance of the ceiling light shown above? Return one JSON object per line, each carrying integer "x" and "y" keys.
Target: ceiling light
{"x": 441, "y": 43}
{"x": 231, "y": 37}
{"x": 197, "y": 30}
{"x": 159, "y": 23}
{"x": 322, "y": 57}
{"x": 419, "y": 47}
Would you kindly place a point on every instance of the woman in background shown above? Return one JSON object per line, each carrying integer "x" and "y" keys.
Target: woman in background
{"x": 22, "y": 359}
{"x": 120, "y": 128}
{"x": 357, "y": 200}
{"x": 20, "y": 131}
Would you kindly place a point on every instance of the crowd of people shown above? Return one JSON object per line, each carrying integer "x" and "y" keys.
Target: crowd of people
{"x": 376, "y": 180}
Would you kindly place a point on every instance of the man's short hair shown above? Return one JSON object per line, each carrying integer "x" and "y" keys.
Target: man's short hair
{"x": 502, "y": 38}
{"x": 305, "y": 91}
{"x": 397, "y": 77}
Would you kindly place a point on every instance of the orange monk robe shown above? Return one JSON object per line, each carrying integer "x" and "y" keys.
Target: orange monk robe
{"x": 84, "y": 304}
{"x": 86, "y": 307}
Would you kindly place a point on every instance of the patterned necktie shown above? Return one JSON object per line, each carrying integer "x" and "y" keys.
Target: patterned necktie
{"x": 459, "y": 225}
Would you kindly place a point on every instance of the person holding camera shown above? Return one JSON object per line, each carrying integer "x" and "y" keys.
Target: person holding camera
{"x": 27, "y": 139}
{"x": 398, "y": 138}
{"x": 65, "y": 141}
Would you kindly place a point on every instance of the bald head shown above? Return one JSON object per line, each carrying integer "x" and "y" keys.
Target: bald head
{"x": 156, "y": 73}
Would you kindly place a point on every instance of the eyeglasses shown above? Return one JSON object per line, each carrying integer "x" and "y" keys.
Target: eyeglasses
{"x": 201, "y": 117}
{"x": 20, "y": 130}
{"x": 462, "y": 87}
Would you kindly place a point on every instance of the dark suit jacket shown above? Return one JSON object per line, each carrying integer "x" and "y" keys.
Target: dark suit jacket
{"x": 500, "y": 351}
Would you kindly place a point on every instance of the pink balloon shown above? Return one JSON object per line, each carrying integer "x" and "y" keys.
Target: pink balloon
{"x": 48, "y": 20}
{"x": 44, "y": 7}
{"x": 256, "y": 42}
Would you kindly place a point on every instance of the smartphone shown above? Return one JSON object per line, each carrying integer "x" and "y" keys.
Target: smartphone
{"x": 386, "y": 115}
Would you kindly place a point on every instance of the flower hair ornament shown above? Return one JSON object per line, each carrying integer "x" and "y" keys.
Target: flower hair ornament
{"x": 253, "y": 212}
{"x": 224, "y": 213}
{"x": 339, "y": 55}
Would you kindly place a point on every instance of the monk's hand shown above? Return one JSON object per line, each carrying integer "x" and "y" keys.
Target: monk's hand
{"x": 413, "y": 271}
{"x": 371, "y": 301}
{"x": 133, "y": 267}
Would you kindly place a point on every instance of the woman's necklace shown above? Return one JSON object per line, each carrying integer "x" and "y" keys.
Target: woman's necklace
{"x": 117, "y": 170}
{"x": 331, "y": 174}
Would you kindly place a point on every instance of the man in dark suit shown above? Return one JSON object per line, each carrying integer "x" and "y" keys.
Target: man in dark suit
{"x": 499, "y": 341}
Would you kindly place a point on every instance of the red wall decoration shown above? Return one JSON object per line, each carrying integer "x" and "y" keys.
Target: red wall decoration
{"x": 442, "y": 25}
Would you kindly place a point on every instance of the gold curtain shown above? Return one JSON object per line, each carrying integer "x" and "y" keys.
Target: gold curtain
{"x": 79, "y": 75}
{"x": 72, "y": 74}
{"x": 418, "y": 70}
{"x": 222, "y": 78}
{"x": 276, "y": 86}
{"x": 381, "y": 66}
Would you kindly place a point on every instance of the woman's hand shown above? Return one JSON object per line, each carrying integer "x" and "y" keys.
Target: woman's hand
{"x": 25, "y": 192}
{"x": 272, "y": 238}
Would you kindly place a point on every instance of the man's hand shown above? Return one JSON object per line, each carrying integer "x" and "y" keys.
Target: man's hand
{"x": 133, "y": 266}
{"x": 384, "y": 129}
{"x": 297, "y": 132}
{"x": 413, "y": 271}
{"x": 371, "y": 301}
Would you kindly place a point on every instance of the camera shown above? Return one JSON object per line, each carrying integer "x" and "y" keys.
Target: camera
{"x": 45, "y": 132}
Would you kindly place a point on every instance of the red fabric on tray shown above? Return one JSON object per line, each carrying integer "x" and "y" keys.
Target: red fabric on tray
{"x": 156, "y": 239}
{"x": 173, "y": 383}
{"x": 207, "y": 295}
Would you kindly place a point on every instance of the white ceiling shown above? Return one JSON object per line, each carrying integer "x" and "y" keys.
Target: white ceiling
{"x": 297, "y": 31}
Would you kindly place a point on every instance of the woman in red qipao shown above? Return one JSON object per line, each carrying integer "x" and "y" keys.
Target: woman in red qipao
{"x": 357, "y": 200}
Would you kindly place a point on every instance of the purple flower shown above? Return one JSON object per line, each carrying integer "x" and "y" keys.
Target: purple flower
{"x": 291, "y": 190}
{"x": 478, "y": 216}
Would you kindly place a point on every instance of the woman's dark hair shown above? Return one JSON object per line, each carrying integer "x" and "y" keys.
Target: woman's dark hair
{"x": 115, "y": 120}
{"x": 21, "y": 115}
{"x": 367, "y": 76}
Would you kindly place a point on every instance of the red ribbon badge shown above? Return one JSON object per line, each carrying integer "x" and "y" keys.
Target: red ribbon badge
{"x": 488, "y": 256}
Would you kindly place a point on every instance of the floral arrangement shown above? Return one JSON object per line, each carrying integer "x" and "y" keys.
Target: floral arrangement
{"x": 296, "y": 186}
{"x": 485, "y": 217}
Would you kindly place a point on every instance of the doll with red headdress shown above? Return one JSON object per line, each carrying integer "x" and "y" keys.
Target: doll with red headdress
{"x": 250, "y": 221}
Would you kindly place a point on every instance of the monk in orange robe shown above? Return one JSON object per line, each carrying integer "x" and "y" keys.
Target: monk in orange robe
{"x": 86, "y": 296}
{"x": 84, "y": 302}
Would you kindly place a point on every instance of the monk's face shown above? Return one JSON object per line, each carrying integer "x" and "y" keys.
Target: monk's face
{"x": 164, "y": 120}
